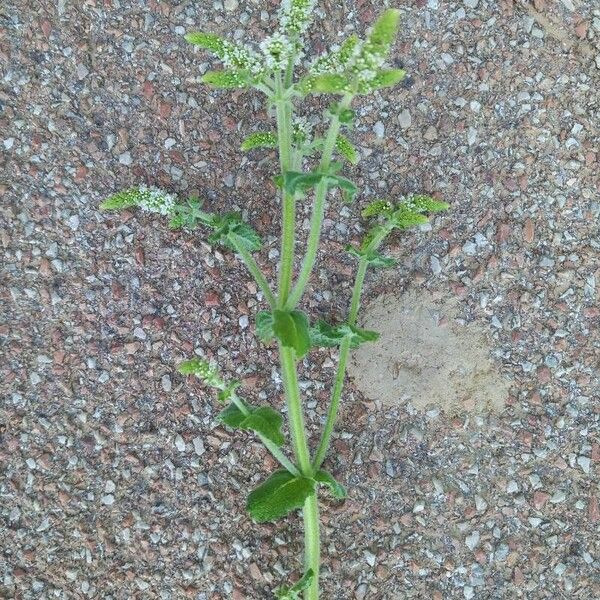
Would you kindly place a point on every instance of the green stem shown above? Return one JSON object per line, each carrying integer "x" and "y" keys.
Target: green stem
{"x": 253, "y": 267}
{"x": 340, "y": 375}
{"x": 283, "y": 460}
{"x": 284, "y": 112}
{"x": 295, "y": 412}
{"x": 318, "y": 213}
{"x": 312, "y": 544}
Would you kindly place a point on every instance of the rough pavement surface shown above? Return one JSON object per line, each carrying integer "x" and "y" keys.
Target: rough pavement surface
{"x": 116, "y": 480}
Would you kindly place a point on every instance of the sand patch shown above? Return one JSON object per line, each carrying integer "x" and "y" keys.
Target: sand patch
{"x": 427, "y": 357}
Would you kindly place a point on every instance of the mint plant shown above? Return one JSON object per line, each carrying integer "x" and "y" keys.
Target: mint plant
{"x": 354, "y": 68}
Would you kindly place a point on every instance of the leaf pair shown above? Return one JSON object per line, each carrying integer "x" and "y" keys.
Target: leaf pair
{"x": 291, "y": 328}
{"x": 262, "y": 420}
{"x": 298, "y": 182}
{"x": 374, "y": 259}
{"x": 189, "y": 215}
{"x": 231, "y": 224}
{"x": 283, "y": 492}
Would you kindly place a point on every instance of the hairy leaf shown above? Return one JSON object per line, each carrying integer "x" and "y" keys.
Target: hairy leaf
{"x": 294, "y": 593}
{"x": 189, "y": 215}
{"x": 232, "y": 224}
{"x": 337, "y": 490}
{"x": 345, "y": 147}
{"x": 292, "y": 330}
{"x": 294, "y": 182}
{"x": 280, "y": 494}
{"x": 263, "y": 420}
{"x": 264, "y": 326}
{"x": 374, "y": 258}
{"x": 259, "y": 140}
{"x": 378, "y": 207}
{"x": 226, "y": 79}
{"x": 325, "y": 335}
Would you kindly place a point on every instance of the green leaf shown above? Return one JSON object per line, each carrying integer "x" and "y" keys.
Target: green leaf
{"x": 227, "y": 391}
{"x": 405, "y": 217}
{"x": 374, "y": 258}
{"x": 326, "y": 83}
{"x": 325, "y": 335}
{"x": 345, "y": 147}
{"x": 208, "y": 41}
{"x": 295, "y": 181}
{"x": 264, "y": 326}
{"x": 280, "y": 494}
{"x": 387, "y": 78}
{"x": 378, "y": 207}
{"x": 337, "y": 490}
{"x": 189, "y": 215}
{"x": 121, "y": 200}
{"x": 232, "y": 224}
{"x": 262, "y": 420}
{"x": 427, "y": 204}
{"x": 384, "y": 30}
{"x": 293, "y": 593}
{"x": 204, "y": 371}
{"x": 292, "y": 330}
{"x": 259, "y": 140}
{"x": 226, "y": 79}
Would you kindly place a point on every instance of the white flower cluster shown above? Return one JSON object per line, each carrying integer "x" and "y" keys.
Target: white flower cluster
{"x": 295, "y": 16}
{"x": 358, "y": 58}
{"x": 277, "y": 49}
{"x": 239, "y": 57}
{"x": 152, "y": 199}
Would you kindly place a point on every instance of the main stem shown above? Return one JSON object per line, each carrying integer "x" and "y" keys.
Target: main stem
{"x": 284, "y": 111}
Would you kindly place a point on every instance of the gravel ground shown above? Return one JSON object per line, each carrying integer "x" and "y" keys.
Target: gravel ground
{"x": 116, "y": 480}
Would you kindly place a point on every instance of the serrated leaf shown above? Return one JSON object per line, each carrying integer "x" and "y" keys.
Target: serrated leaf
{"x": 226, "y": 79}
{"x": 259, "y": 140}
{"x": 298, "y": 182}
{"x": 264, "y": 326}
{"x": 325, "y": 335}
{"x": 262, "y": 420}
{"x": 345, "y": 147}
{"x": 292, "y": 330}
{"x": 337, "y": 490}
{"x": 373, "y": 258}
{"x": 232, "y": 223}
{"x": 279, "y": 495}
{"x": 295, "y": 182}
{"x": 293, "y": 593}
{"x": 121, "y": 200}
